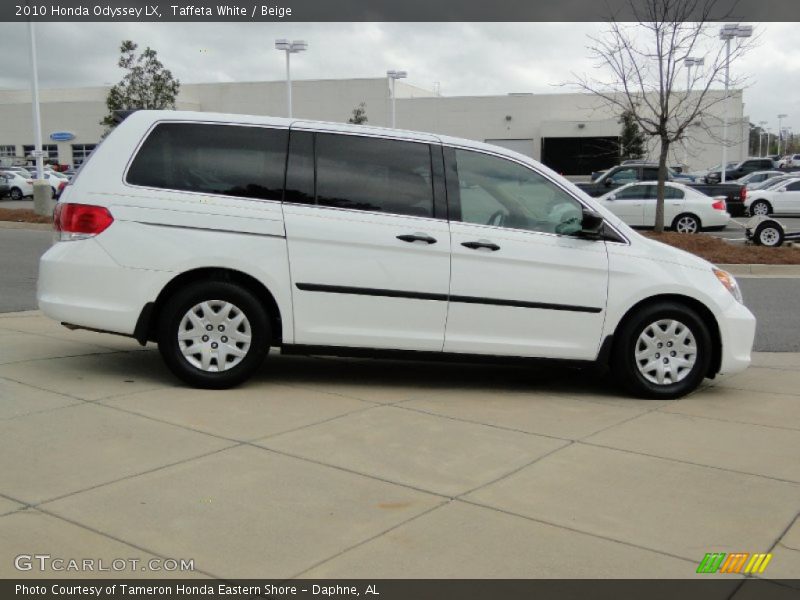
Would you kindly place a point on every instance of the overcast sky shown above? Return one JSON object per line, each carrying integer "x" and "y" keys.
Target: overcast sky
{"x": 465, "y": 58}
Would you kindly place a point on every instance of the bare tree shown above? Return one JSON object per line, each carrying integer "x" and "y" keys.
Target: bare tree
{"x": 644, "y": 59}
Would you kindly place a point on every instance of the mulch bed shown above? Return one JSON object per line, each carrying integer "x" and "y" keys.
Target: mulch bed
{"x": 22, "y": 215}
{"x": 719, "y": 251}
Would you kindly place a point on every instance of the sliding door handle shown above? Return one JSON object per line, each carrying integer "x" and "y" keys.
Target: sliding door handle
{"x": 481, "y": 244}
{"x": 417, "y": 237}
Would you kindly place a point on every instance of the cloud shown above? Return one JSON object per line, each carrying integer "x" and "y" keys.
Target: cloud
{"x": 465, "y": 58}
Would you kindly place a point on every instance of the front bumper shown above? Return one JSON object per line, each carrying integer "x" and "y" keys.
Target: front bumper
{"x": 737, "y": 327}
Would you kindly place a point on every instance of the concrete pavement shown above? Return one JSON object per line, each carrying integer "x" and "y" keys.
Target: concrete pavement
{"x": 355, "y": 468}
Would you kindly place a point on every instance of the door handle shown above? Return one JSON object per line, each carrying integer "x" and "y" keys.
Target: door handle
{"x": 417, "y": 237}
{"x": 481, "y": 244}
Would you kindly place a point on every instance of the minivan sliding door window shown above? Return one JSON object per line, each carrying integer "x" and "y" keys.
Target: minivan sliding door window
{"x": 228, "y": 160}
{"x": 374, "y": 174}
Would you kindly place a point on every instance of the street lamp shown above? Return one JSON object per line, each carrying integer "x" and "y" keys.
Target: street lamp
{"x": 780, "y": 132}
{"x": 690, "y": 61}
{"x": 290, "y": 48}
{"x": 727, "y": 33}
{"x": 394, "y": 76}
{"x": 760, "y": 135}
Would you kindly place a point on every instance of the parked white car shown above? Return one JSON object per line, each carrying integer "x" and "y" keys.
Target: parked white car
{"x": 751, "y": 180}
{"x": 54, "y": 178}
{"x": 790, "y": 160}
{"x": 782, "y": 199}
{"x": 218, "y": 236}
{"x": 19, "y": 186}
{"x": 685, "y": 209}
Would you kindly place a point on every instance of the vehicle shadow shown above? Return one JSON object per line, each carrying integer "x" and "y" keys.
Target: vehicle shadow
{"x": 332, "y": 372}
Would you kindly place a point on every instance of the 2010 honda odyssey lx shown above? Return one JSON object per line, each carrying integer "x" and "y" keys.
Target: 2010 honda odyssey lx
{"x": 220, "y": 236}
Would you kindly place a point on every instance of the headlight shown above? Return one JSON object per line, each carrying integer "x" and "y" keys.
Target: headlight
{"x": 730, "y": 284}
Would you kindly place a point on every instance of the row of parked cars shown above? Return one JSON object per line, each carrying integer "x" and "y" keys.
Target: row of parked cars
{"x": 693, "y": 202}
{"x": 17, "y": 182}
{"x": 738, "y": 170}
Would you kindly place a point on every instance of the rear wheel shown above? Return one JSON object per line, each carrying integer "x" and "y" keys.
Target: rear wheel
{"x": 663, "y": 351}
{"x": 686, "y": 223}
{"x": 760, "y": 208}
{"x": 213, "y": 335}
{"x": 15, "y": 193}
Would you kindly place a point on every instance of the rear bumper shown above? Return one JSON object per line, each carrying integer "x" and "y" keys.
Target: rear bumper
{"x": 80, "y": 284}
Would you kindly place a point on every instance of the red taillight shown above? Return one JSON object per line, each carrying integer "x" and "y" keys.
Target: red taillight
{"x": 81, "y": 220}
{"x": 719, "y": 205}
{"x": 744, "y": 194}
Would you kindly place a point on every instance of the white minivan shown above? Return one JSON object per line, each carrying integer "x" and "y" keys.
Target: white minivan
{"x": 220, "y": 236}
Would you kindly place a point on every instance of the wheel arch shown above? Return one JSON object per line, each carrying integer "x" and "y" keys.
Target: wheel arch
{"x": 701, "y": 309}
{"x": 148, "y": 319}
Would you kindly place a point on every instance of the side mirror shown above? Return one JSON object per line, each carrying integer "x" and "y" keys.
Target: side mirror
{"x": 612, "y": 197}
{"x": 591, "y": 223}
{"x": 607, "y": 182}
{"x": 783, "y": 189}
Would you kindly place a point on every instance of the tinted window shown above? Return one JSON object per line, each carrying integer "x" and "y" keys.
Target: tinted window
{"x": 300, "y": 168}
{"x": 213, "y": 159}
{"x": 498, "y": 192}
{"x": 649, "y": 174}
{"x": 671, "y": 193}
{"x": 793, "y": 187}
{"x": 635, "y": 192}
{"x": 625, "y": 175}
{"x": 374, "y": 174}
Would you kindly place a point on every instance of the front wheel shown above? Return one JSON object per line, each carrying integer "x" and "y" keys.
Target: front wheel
{"x": 15, "y": 193}
{"x": 662, "y": 352}
{"x": 686, "y": 224}
{"x": 213, "y": 335}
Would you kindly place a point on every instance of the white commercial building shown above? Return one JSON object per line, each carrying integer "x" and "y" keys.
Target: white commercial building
{"x": 573, "y": 133}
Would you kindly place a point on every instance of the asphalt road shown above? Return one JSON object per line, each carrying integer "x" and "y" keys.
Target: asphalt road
{"x": 773, "y": 301}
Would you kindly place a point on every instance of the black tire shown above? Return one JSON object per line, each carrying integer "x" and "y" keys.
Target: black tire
{"x": 767, "y": 208}
{"x": 15, "y": 193}
{"x": 624, "y": 365}
{"x": 769, "y": 234}
{"x": 682, "y": 221}
{"x": 170, "y": 324}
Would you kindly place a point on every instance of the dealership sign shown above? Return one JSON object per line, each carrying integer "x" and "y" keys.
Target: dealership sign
{"x": 62, "y": 136}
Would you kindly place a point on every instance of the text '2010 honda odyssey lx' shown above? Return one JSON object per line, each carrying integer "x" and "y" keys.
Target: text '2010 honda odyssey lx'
{"x": 220, "y": 236}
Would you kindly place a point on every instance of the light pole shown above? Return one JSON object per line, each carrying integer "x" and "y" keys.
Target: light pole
{"x": 41, "y": 189}
{"x": 760, "y": 134}
{"x": 727, "y": 33}
{"x": 393, "y": 77}
{"x": 780, "y": 133}
{"x": 290, "y": 48}
{"x": 690, "y": 61}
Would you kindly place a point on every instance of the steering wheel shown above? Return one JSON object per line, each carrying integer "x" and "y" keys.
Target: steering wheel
{"x": 497, "y": 218}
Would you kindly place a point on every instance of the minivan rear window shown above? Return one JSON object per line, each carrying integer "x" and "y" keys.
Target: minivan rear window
{"x": 229, "y": 160}
{"x": 374, "y": 174}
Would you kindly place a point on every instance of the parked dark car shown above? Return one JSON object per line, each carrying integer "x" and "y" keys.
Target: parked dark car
{"x": 615, "y": 177}
{"x": 741, "y": 169}
{"x": 4, "y": 187}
